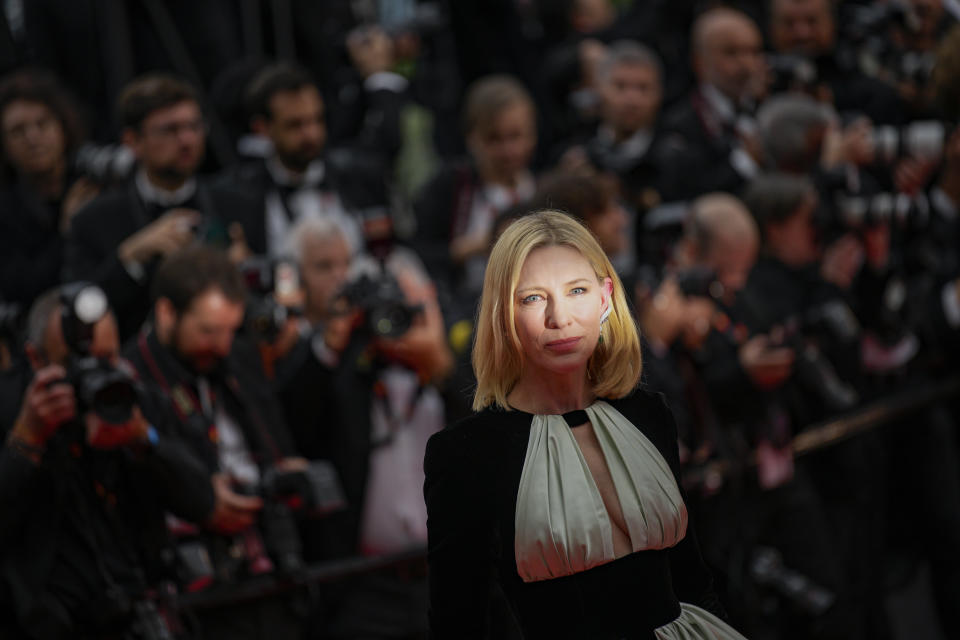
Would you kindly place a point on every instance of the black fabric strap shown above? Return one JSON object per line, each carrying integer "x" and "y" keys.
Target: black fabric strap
{"x": 576, "y": 418}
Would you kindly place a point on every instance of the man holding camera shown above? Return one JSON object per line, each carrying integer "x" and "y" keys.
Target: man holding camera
{"x": 364, "y": 396}
{"x": 118, "y": 239}
{"x": 86, "y": 473}
{"x": 230, "y": 420}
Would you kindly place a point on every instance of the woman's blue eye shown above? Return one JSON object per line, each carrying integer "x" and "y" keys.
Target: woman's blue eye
{"x": 578, "y": 290}
{"x": 533, "y": 297}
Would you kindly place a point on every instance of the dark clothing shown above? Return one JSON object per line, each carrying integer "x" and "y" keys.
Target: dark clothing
{"x": 31, "y": 245}
{"x": 85, "y": 526}
{"x": 97, "y": 231}
{"x": 473, "y": 474}
{"x": 328, "y": 409}
{"x": 855, "y": 93}
{"x": 699, "y": 146}
{"x": 359, "y": 187}
{"x": 238, "y": 388}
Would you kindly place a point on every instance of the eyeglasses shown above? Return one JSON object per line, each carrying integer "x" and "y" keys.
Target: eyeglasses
{"x": 171, "y": 130}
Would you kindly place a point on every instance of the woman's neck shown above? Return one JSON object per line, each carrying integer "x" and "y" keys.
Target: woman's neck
{"x": 551, "y": 394}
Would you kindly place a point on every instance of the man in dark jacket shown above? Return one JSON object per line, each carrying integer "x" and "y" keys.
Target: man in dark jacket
{"x": 713, "y": 131}
{"x": 230, "y": 420}
{"x": 298, "y": 180}
{"x": 82, "y": 498}
{"x": 118, "y": 239}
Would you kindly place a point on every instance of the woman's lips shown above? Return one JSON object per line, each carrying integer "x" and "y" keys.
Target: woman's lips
{"x": 565, "y": 345}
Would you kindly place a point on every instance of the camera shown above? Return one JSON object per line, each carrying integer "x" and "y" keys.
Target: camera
{"x": 767, "y": 570}
{"x": 386, "y": 312}
{"x": 832, "y": 321}
{"x": 101, "y": 387}
{"x": 267, "y": 278}
{"x": 792, "y": 72}
{"x": 922, "y": 139}
{"x": 104, "y": 164}
{"x": 313, "y": 491}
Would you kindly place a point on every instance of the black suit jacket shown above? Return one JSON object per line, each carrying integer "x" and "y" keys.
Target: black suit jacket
{"x": 99, "y": 228}
{"x": 472, "y": 477}
{"x": 360, "y": 189}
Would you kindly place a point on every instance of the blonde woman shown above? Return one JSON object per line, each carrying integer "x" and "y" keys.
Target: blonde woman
{"x": 563, "y": 484}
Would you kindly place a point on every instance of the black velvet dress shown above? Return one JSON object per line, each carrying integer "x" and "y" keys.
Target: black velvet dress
{"x": 473, "y": 472}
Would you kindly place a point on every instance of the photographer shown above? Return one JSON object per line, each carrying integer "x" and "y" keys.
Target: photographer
{"x": 118, "y": 239}
{"x": 40, "y": 133}
{"x": 84, "y": 489}
{"x": 717, "y": 380}
{"x": 230, "y": 420}
{"x": 806, "y": 32}
{"x": 367, "y": 399}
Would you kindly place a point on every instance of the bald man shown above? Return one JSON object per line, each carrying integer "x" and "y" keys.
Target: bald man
{"x": 712, "y": 131}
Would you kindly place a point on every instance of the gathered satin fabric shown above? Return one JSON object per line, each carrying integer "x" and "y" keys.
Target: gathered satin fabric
{"x": 696, "y": 624}
{"x": 562, "y": 525}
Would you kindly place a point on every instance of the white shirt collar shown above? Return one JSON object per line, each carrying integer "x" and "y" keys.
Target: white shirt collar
{"x": 314, "y": 175}
{"x": 156, "y": 195}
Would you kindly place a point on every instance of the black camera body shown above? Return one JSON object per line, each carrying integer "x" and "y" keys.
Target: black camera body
{"x": 313, "y": 492}
{"x": 385, "y": 309}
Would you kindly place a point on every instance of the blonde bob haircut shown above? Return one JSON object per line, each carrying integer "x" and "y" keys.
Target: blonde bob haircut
{"x": 614, "y": 367}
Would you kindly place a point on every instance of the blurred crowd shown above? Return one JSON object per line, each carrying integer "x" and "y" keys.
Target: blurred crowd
{"x": 242, "y": 244}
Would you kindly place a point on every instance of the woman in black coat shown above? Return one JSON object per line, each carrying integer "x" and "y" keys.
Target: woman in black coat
{"x": 564, "y": 484}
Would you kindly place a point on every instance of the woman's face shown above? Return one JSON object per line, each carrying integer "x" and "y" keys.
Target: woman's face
{"x": 557, "y": 307}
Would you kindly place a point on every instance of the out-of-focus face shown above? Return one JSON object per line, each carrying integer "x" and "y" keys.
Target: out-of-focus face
{"x": 171, "y": 141}
{"x": 503, "y": 149}
{"x": 731, "y": 257}
{"x": 296, "y": 127}
{"x": 631, "y": 97}
{"x": 729, "y": 55}
{"x": 589, "y": 16}
{"x": 202, "y": 336}
{"x": 558, "y": 304}
{"x": 33, "y": 138}
{"x": 610, "y": 227}
{"x": 802, "y": 26}
{"x": 324, "y": 265}
{"x": 794, "y": 241}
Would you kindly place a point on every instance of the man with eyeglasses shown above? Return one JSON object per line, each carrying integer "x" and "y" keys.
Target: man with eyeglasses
{"x": 119, "y": 238}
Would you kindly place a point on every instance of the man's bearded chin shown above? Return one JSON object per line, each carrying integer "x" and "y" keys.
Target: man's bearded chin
{"x": 299, "y": 159}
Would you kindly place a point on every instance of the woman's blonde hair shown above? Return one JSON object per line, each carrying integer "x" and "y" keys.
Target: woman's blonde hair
{"x": 614, "y": 368}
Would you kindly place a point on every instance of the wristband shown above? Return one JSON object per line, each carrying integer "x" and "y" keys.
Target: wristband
{"x": 25, "y": 449}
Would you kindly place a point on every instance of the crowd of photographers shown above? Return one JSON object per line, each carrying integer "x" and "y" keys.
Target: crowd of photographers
{"x": 234, "y": 308}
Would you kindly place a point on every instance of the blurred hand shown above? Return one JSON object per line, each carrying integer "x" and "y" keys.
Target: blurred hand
{"x": 83, "y": 191}
{"x": 239, "y": 250}
{"x": 876, "y": 245}
{"x": 663, "y": 316}
{"x": 105, "y": 435}
{"x": 232, "y": 512}
{"x": 371, "y": 50}
{"x": 857, "y": 142}
{"x": 766, "y": 365}
{"x": 911, "y": 174}
{"x": 165, "y": 235}
{"x": 46, "y": 406}
{"x": 842, "y": 260}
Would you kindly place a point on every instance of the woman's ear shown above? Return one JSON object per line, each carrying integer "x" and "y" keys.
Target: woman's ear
{"x": 607, "y": 298}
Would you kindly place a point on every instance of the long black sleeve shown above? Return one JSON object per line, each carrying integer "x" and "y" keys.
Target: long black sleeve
{"x": 459, "y": 538}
